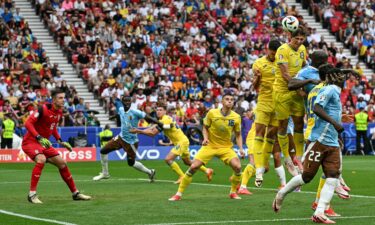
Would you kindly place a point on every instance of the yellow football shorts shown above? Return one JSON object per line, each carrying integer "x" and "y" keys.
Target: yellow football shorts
{"x": 287, "y": 104}
{"x": 206, "y": 153}
{"x": 266, "y": 118}
{"x": 182, "y": 150}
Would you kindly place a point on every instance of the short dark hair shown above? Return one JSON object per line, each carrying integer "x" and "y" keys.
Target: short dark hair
{"x": 318, "y": 58}
{"x": 126, "y": 98}
{"x": 56, "y": 91}
{"x": 274, "y": 45}
{"x": 335, "y": 76}
{"x": 228, "y": 93}
{"x": 299, "y": 32}
{"x": 161, "y": 105}
{"x": 323, "y": 70}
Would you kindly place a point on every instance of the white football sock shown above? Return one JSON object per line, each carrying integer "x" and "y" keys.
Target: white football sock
{"x": 31, "y": 193}
{"x": 291, "y": 185}
{"x": 104, "y": 161}
{"x": 280, "y": 171}
{"x": 260, "y": 171}
{"x": 140, "y": 167}
{"x": 326, "y": 195}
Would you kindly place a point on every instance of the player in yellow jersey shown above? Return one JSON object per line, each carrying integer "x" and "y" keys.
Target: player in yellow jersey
{"x": 290, "y": 58}
{"x": 218, "y": 128}
{"x": 264, "y": 72}
{"x": 179, "y": 140}
{"x": 249, "y": 170}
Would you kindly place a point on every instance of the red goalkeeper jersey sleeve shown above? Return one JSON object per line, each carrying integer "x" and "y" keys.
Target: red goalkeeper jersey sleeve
{"x": 43, "y": 122}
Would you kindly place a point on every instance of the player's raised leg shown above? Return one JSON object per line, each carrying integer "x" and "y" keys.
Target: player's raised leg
{"x": 258, "y": 152}
{"x": 311, "y": 166}
{"x": 279, "y": 168}
{"x": 112, "y": 145}
{"x": 208, "y": 171}
{"x": 40, "y": 160}
{"x": 131, "y": 149}
{"x": 170, "y": 160}
{"x": 186, "y": 180}
{"x": 67, "y": 177}
{"x": 235, "y": 164}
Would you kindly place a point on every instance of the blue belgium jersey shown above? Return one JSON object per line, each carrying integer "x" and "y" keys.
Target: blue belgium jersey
{"x": 129, "y": 120}
{"x": 308, "y": 72}
{"x": 329, "y": 99}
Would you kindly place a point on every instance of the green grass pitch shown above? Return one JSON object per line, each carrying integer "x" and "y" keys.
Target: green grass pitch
{"x": 128, "y": 198}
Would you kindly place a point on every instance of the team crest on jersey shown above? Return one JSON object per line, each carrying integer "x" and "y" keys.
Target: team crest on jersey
{"x": 130, "y": 117}
{"x": 280, "y": 57}
{"x": 322, "y": 98}
{"x": 273, "y": 71}
{"x": 302, "y": 55}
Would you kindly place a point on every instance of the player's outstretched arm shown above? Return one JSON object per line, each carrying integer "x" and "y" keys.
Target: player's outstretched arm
{"x": 205, "y": 135}
{"x": 285, "y": 72}
{"x": 239, "y": 143}
{"x": 150, "y": 119}
{"x": 257, "y": 77}
{"x": 319, "y": 111}
{"x": 29, "y": 125}
{"x": 295, "y": 84}
{"x": 65, "y": 145}
{"x": 151, "y": 131}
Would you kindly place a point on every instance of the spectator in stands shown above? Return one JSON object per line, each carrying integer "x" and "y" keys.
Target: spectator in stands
{"x": 357, "y": 89}
{"x": 361, "y": 104}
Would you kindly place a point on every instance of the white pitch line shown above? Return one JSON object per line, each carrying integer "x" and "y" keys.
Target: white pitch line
{"x": 171, "y": 181}
{"x": 35, "y": 218}
{"x": 261, "y": 221}
{"x": 261, "y": 189}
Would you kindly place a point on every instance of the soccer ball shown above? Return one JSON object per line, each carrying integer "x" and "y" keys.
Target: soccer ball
{"x": 290, "y": 23}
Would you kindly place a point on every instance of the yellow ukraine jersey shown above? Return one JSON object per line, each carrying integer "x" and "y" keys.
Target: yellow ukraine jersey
{"x": 220, "y": 128}
{"x": 294, "y": 59}
{"x": 310, "y": 104}
{"x": 267, "y": 70}
{"x": 174, "y": 134}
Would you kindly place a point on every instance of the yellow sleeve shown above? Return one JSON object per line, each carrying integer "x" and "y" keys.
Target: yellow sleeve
{"x": 282, "y": 56}
{"x": 166, "y": 120}
{"x": 208, "y": 119}
{"x": 237, "y": 124}
{"x": 256, "y": 65}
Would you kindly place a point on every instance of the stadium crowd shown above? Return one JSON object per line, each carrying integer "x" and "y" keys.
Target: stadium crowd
{"x": 186, "y": 53}
{"x": 353, "y": 24}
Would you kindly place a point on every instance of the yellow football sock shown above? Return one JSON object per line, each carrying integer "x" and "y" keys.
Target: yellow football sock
{"x": 248, "y": 172}
{"x": 284, "y": 144}
{"x": 258, "y": 152}
{"x": 203, "y": 169}
{"x": 235, "y": 180}
{"x": 267, "y": 150}
{"x": 176, "y": 168}
{"x": 298, "y": 141}
{"x": 322, "y": 181}
{"x": 185, "y": 182}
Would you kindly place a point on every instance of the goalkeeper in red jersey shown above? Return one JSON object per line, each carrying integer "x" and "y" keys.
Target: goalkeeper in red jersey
{"x": 40, "y": 125}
